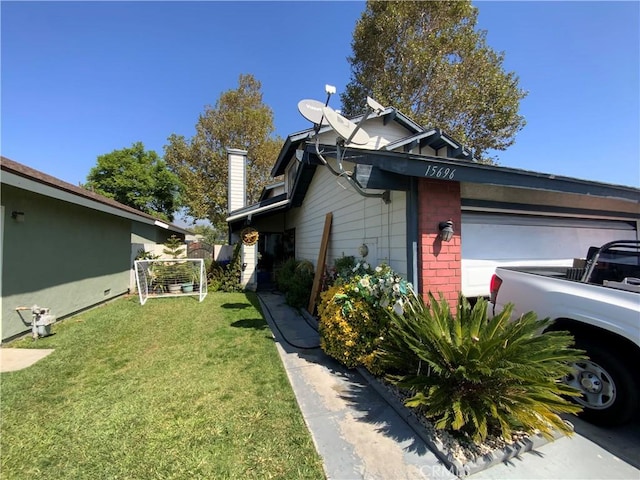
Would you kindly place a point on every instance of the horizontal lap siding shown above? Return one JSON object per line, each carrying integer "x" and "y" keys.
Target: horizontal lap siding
{"x": 355, "y": 219}
{"x": 379, "y": 134}
{"x": 237, "y": 181}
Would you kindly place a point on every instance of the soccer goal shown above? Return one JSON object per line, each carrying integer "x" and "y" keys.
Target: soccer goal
{"x": 170, "y": 278}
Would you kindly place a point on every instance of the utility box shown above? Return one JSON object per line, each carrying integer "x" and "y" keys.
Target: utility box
{"x": 41, "y": 320}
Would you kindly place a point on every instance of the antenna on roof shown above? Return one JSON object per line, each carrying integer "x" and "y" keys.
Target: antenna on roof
{"x": 320, "y": 115}
{"x": 312, "y": 109}
{"x": 372, "y": 106}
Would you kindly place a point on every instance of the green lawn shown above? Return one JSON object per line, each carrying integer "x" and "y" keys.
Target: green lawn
{"x": 172, "y": 389}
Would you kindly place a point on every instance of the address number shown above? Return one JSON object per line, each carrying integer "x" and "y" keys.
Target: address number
{"x": 434, "y": 171}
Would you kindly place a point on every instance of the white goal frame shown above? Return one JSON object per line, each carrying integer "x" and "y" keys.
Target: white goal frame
{"x": 161, "y": 278}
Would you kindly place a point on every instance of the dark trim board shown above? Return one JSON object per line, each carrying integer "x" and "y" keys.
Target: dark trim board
{"x": 460, "y": 171}
{"x": 438, "y": 168}
{"x": 490, "y": 205}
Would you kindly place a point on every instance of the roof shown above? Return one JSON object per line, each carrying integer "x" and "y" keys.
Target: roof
{"x": 27, "y": 178}
{"x": 268, "y": 190}
{"x": 432, "y": 137}
{"x": 391, "y": 169}
{"x": 388, "y": 166}
{"x": 269, "y": 206}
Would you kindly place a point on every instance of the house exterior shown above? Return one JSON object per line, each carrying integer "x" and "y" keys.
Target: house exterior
{"x": 394, "y": 192}
{"x": 64, "y": 247}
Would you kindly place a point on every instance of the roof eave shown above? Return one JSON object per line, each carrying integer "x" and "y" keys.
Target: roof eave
{"x": 27, "y": 178}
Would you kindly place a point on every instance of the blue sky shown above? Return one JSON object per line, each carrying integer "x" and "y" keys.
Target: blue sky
{"x": 80, "y": 79}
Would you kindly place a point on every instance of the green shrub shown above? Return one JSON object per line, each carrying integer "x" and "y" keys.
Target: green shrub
{"x": 295, "y": 279}
{"x": 284, "y": 273}
{"x": 226, "y": 277}
{"x": 215, "y": 274}
{"x": 479, "y": 375}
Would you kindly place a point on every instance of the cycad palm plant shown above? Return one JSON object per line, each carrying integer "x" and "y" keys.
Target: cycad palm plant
{"x": 479, "y": 375}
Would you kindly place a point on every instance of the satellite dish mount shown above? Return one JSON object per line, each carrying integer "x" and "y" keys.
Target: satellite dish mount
{"x": 347, "y": 131}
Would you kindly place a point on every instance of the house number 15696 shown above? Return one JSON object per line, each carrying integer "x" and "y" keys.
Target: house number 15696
{"x": 435, "y": 171}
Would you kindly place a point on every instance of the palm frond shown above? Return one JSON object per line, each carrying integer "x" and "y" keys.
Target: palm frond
{"x": 483, "y": 374}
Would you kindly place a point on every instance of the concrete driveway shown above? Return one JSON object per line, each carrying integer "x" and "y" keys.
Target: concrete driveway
{"x": 623, "y": 441}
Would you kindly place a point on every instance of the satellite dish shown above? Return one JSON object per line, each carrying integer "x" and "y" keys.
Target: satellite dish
{"x": 373, "y": 105}
{"x": 312, "y": 111}
{"x": 344, "y": 127}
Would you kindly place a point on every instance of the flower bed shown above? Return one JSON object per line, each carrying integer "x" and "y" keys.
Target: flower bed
{"x": 476, "y": 383}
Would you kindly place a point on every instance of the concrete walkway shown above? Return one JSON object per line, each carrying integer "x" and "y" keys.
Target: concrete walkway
{"x": 360, "y": 436}
{"x": 13, "y": 359}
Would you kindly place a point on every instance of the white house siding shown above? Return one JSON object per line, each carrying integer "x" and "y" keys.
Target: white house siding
{"x": 384, "y": 230}
{"x": 379, "y": 134}
{"x": 249, "y": 261}
{"x": 237, "y": 179}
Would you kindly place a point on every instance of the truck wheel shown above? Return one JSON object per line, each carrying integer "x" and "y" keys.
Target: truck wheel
{"x": 609, "y": 390}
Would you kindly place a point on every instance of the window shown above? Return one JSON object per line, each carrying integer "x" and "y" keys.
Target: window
{"x": 292, "y": 170}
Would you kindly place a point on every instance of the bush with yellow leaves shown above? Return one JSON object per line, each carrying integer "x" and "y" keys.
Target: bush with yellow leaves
{"x": 354, "y": 315}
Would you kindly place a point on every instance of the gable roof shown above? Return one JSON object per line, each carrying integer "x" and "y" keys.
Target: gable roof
{"x": 392, "y": 166}
{"x": 27, "y": 178}
{"x": 418, "y": 135}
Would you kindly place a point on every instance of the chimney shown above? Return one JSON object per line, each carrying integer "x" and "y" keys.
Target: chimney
{"x": 237, "y": 191}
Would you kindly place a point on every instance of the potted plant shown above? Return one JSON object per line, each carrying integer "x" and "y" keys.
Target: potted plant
{"x": 192, "y": 273}
{"x": 164, "y": 279}
{"x": 174, "y": 287}
{"x": 173, "y": 273}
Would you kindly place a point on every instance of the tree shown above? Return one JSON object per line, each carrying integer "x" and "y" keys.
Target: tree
{"x": 210, "y": 235}
{"x": 241, "y": 120}
{"x": 428, "y": 60}
{"x": 137, "y": 178}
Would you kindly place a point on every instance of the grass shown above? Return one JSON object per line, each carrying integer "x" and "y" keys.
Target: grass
{"x": 173, "y": 389}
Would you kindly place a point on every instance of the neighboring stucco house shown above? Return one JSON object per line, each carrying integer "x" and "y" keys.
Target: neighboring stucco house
{"x": 64, "y": 247}
{"x": 393, "y": 194}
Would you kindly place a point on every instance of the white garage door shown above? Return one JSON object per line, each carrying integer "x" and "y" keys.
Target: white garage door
{"x": 490, "y": 240}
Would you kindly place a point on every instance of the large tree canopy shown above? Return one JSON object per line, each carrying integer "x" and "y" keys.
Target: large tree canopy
{"x": 241, "y": 120}
{"x": 429, "y": 61}
{"x": 137, "y": 178}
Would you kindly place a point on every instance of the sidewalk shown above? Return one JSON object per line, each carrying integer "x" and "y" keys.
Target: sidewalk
{"x": 360, "y": 436}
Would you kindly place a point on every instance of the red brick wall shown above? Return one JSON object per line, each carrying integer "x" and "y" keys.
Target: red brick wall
{"x": 439, "y": 263}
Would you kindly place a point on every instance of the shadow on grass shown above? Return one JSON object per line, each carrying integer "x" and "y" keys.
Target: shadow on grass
{"x": 255, "y": 323}
{"x": 255, "y": 301}
{"x": 236, "y": 306}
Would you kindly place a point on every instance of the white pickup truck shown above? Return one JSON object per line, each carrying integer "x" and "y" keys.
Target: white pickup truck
{"x": 598, "y": 301}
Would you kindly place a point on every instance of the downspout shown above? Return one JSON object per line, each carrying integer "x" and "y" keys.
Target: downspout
{"x": 412, "y": 234}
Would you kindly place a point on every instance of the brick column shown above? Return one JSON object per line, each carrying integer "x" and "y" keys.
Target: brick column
{"x": 439, "y": 263}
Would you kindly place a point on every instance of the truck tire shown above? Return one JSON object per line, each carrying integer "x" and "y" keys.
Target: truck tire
{"x": 609, "y": 390}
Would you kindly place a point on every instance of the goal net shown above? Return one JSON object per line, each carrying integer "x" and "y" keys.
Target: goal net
{"x": 170, "y": 278}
